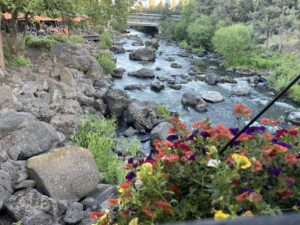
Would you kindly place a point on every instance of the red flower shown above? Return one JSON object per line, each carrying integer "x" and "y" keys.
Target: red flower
{"x": 256, "y": 166}
{"x": 285, "y": 194}
{"x": 291, "y": 159}
{"x": 170, "y": 158}
{"x": 267, "y": 136}
{"x": 280, "y": 148}
{"x": 112, "y": 201}
{"x": 164, "y": 205}
{"x": 241, "y": 110}
{"x": 174, "y": 188}
{"x": 264, "y": 121}
{"x": 125, "y": 185}
{"x": 241, "y": 197}
{"x": 184, "y": 147}
{"x": 124, "y": 212}
{"x": 95, "y": 215}
{"x": 147, "y": 212}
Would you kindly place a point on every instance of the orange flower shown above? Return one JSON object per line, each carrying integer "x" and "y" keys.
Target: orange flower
{"x": 241, "y": 110}
{"x": 95, "y": 215}
{"x": 280, "y": 148}
{"x": 291, "y": 159}
{"x": 265, "y": 121}
{"x": 241, "y": 197}
{"x": 113, "y": 201}
{"x": 170, "y": 158}
{"x": 256, "y": 166}
{"x": 124, "y": 212}
{"x": 164, "y": 205}
{"x": 147, "y": 212}
{"x": 267, "y": 136}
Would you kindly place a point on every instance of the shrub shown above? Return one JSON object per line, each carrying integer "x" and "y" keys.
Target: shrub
{"x": 198, "y": 51}
{"x": 183, "y": 44}
{"x": 233, "y": 43}
{"x": 98, "y": 136}
{"x": 131, "y": 146}
{"x": 200, "y": 32}
{"x": 40, "y": 42}
{"x": 168, "y": 27}
{"x": 186, "y": 178}
{"x": 77, "y": 39}
{"x": 20, "y": 60}
{"x": 106, "y": 62}
{"x": 116, "y": 25}
{"x": 180, "y": 30}
{"x": 162, "y": 111}
{"x": 106, "y": 41}
{"x": 59, "y": 38}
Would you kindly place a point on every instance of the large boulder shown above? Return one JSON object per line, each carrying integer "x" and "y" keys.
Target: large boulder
{"x": 212, "y": 79}
{"x": 212, "y": 96}
{"x": 118, "y": 73}
{"x": 157, "y": 86}
{"x": 117, "y": 101}
{"x": 117, "y": 49}
{"x": 32, "y": 208}
{"x": 294, "y": 117}
{"x": 142, "y": 116}
{"x": 143, "y": 54}
{"x": 16, "y": 169}
{"x": 22, "y": 136}
{"x": 66, "y": 123}
{"x": 74, "y": 213}
{"x": 142, "y": 73}
{"x": 6, "y": 188}
{"x": 241, "y": 89}
{"x": 153, "y": 43}
{"x": 68, "y": 173}
{"x": 193, "y": 100}
{"x": 176, "y": 65}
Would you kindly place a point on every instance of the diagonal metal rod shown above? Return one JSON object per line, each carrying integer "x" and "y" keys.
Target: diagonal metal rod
{"x": 259, "y": 114}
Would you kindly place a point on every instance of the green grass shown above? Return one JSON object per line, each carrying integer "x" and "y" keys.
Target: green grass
{"x": 162, "y": 111}
{"x": 19, "y": 60}
{"x": 105, "y": 60}
{"x": 106, "y": 41}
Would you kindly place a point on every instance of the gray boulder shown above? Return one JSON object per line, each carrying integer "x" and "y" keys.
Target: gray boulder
{"x": 8, "y": 98}
{"x": 90, "y": 203}
{"x": 175, "y": 86}
{"x": 143, "y": 54}
{"x": 142, "y": 116}
{"x": 176, "y": 65}
{"x": 142, "y": 73}
{"x": 66, "y": 123}
{"x": 194, "y": 101}
{"x": 294, "y": 117}
{"x": 6, "y": 188}
{"x": 32, "y": 208}
{"x": 117, "y": 101}
{"x": 67, "y": 77}
{"x": 160, "y": 131}
{"x": 212, "y": 96}
{"x": 22, "y": 136}
{"x": 241, "y": 89}
{"x": 153, "y": 43}
{"x": 131, "y": 87}
{"x": 130, "y": 132}
{"x": 16, "y": 169}
{"x": 157, "y": 86}
{"x": 212, "y": 79}
{"x": 68, "y": 173}
{"x": 74, "y": 213}
{"x": 117, "y": 49}
{"x": 227, "y": 79}
{"x": 118, "y": 73}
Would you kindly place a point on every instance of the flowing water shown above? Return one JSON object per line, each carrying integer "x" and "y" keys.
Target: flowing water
{"x": 217, "y": 113}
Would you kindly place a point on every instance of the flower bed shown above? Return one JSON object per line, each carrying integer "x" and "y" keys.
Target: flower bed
{"x": 184, "y": 178}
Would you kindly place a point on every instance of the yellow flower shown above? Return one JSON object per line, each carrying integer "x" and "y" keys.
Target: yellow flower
{"x": 146, "y": 169}
{"x": 211, "y": 149}
{"x": 242, "y": 161}
{"x": 220, "y": 215}
{"x": 134, "y": 221}
{"x": 248, "y": 213}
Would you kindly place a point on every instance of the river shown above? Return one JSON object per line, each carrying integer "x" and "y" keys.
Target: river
{"x": 218, "y": 113}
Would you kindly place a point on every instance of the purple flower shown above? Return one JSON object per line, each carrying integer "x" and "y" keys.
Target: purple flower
{"x": 204, "y": 134}
{"x": 203, "y": 151}
{"x": 283, "y": 144}
{"x": 172, "y": 137}
{"x": 275, "y": 171}
{"x": 253, "y": 129}
{"x": 191, "y": 137}
{"x": 149, "y": 157}
{"x": 234, "y": 131}
{"x": 130, "y": 160}
{"x": 130, "y": 176}
{"x": 249, "y": 190}
{"x": 193, "y": 157}
{"x": 235, "y": 143}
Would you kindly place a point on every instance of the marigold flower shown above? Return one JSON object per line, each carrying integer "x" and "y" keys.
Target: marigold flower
{"x": 113, "y": 201}
{"x": 280, "y": 148}
{"x": 291, "y": 159}
{"x": 241, "y": 197}
{"x": 124, "y": 186}
{"x": 242, "y": 161}
{"x": 147, "y": 212}
{"x": 220, "y": 215}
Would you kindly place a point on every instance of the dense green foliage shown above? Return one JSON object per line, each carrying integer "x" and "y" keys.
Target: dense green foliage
{"x": 106, "y": 41}
{"x": 105, "y": 60}
{"x": 98, "y": 135}
{"x": 20, "y": 60}
{"x": 233, "y": 43}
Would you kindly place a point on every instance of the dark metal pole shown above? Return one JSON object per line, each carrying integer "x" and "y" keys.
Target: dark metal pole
{"x": 259, "y": 114}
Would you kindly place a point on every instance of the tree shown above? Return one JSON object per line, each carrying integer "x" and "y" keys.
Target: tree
{"x": 200, "y": 32}
{"x": 233, "y": 43}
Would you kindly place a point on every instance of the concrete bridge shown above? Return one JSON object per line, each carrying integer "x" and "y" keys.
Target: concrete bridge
{"x": 147, "y": 20}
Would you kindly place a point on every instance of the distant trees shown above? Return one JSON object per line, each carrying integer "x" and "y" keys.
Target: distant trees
{"x": 233, "y": 42}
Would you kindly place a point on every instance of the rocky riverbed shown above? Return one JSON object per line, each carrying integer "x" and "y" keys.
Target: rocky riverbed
{"x": 47, "y": 180}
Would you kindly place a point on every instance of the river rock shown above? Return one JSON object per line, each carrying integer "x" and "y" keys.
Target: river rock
{"x": 183, "y": 54}
{"x": 175, "y": 86}
{"x": 117, "y": 101}
{"x": 227, "y": 79}
{"x": 8, "y": 98}
{"x": 157, "y": 86}
{"x": 142, "y": 73}
{"x": 170, "y": 59}
{"x": 213, "y": 67}
{"x": 194, "y": 101}
{"x": 212, "y": 79}
{"x": 6, "y": 188}
{"x": 16, "y": 169}
{"x": 68, "y": 173}
{"x": 241, "y": 89}
{"x": 118, "y": 73}
{"x": 294, "y": 117}
{"x": 22, "y": 136}
{"x": 66, "y": 123}
{"x": 32, "y": 208}
{"x": 74, "y": 213}
{"x": 176, "y": 65}
{"x": 153, "y": 43}
{"x": 212, "y": 96}
{"x": 130, "y": 132}
{"x": 117, "y": 49}
{"x": 67, "y": 77}
{"x": 131, "y": 87}
{"x": 200, "y": 77}
{"x": 143, "y": 54}
{"x": 161, "y": 131}
{"x": 142, "y": 116}
{"x": 245, "y": 72}
{"x": 137, "y": 43}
